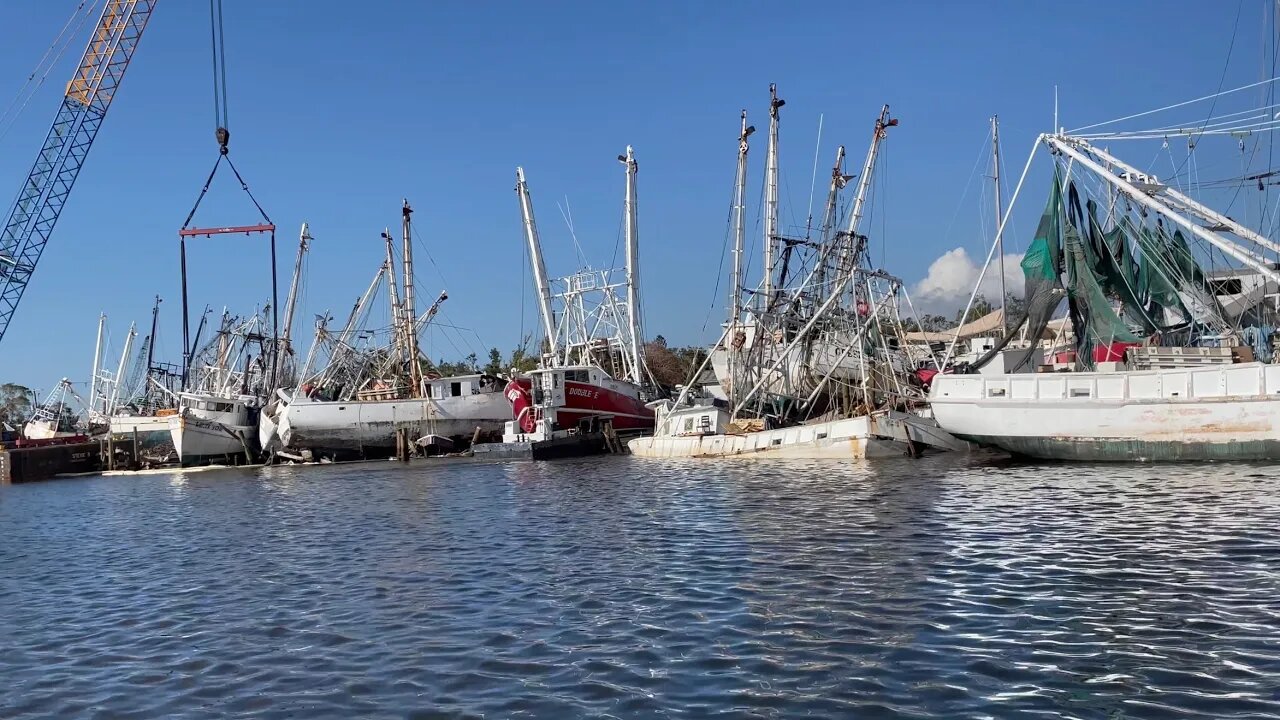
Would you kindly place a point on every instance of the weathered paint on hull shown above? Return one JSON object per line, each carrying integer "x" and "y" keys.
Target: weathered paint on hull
{"x": 369, "y": 428}
{"x": 1207, "y": 413}
{"x": 1130, "y": 449}
{"x": 858, "y": 438}
{"x": 152, "y": 431}
{"x": 196, "y": 440}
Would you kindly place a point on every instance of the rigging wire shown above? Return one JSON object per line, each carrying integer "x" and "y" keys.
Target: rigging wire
{"x": 813, "y": 181}
{"x": 57, "y": 48}
{"x": 1222, "y": 78}
{"x": 219, "y": 49}
{"x": 1250, "y": 86}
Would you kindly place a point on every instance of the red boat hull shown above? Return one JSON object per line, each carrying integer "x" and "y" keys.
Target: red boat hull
{"x": 582, "y": 400}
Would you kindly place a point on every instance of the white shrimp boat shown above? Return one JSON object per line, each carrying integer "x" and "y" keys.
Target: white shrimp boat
{"x": 809, "y": 366}
{"x": 362, "y": 396}
{"x": 705, "y": 431}
{"x": 1180, "y": 387}
{"x": 452, "y": 407}
{"x": 208, "y": 427}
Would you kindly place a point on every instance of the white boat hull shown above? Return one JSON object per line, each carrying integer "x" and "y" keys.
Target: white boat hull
{"x": 362, "y": 427}
{"x": 195, "y": 439}
{"x": 152, "y": 431}
{"x": 1212, "y": 413}
{"x": 865, "y": 437}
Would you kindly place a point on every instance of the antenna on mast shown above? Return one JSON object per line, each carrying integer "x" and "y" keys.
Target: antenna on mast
{"x": 1055, "y": 110}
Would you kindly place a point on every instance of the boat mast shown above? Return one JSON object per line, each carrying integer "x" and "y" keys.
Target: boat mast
{"x": 151, "y": 346}
{"x": 304, "y": 241}
{"x": 393, "y": 294}
{"x": 883, "y": 123}
{"x": 995, "y": 178}
{"x": 408, "y": 316}
{"x": 97, "y": 359}
{"x": 633, "y": 265}
{"x": 739, "y": 221}
{"x": 771, "y": 194}
{"x": 124, "y": 359}
{"x": 838, "y": 181}
{"x": 539, "y": 267}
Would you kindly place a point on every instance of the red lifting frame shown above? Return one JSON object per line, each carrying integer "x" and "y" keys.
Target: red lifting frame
{"x": 210, "y": 232}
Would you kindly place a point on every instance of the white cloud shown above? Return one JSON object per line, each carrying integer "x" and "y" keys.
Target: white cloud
{"x": 952, "y": 276}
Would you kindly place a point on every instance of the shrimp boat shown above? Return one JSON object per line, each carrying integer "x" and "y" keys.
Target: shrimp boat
{"x": 217, "y": 415}
{"x": 53, "y": 419}
{"x": 1159, "y": 370}
{"x": 358, "y": 389}
{"x": 809, "y": 364}
{"x": 592, "y": 385}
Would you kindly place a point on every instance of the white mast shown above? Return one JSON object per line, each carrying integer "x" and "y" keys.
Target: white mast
{"x": 97, "y": 359}
{"x": 633, "y": 266}
{"x": 304, "y": 242}
{"x": 393, "y": 295}
{"x": 739, "y": 221}
{"x": 408, "y": 316}
{"x": 864, "y": 181}
{"x": 995, "y": 178}
{"x": 771, "y": 194}
{"x": 838, "y": 181}
{"x": 124, "y": 359}
{"x": 539, "y": 267}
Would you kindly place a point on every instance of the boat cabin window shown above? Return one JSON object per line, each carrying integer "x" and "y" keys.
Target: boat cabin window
{"x": 455, "y": 389}
{"x": 555, "y": 380}
{"x": 688, "y": 425}
{"x": 576, "y": 376}
{"x": 705, "y": 425}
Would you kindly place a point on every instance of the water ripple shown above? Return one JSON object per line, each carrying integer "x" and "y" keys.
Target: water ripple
{"x": 941, "y": 588}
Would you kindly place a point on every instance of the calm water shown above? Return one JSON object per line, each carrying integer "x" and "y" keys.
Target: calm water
{"x": 941, "y": 588}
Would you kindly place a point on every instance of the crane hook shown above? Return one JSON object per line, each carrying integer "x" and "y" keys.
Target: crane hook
{"x": 224, "y": 136}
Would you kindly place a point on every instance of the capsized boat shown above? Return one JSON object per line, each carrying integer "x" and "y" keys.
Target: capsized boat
{"x": 809, "y": 364}
{"x": 1158, "y": 373}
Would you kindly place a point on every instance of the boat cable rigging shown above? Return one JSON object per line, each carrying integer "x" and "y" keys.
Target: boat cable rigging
{"x": 223, "y": 136}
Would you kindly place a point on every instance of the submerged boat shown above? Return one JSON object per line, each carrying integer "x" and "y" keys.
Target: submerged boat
{"x": 809, "y": 364}
{"x": 1158, "y": 371}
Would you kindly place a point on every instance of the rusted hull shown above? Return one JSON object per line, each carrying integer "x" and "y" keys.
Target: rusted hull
{"x": 1212, "y": 413}
{"x": 1131, "y": 450}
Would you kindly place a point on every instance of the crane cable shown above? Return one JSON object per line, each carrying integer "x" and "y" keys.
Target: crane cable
{"x": 221, "y": 133}
{"x": 218, "y": 45}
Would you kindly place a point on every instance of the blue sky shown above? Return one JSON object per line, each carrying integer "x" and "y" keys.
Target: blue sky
{"x": 338, "y": 110}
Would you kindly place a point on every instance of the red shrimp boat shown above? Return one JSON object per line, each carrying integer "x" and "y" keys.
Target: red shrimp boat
{"x": 566, "y": 396}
